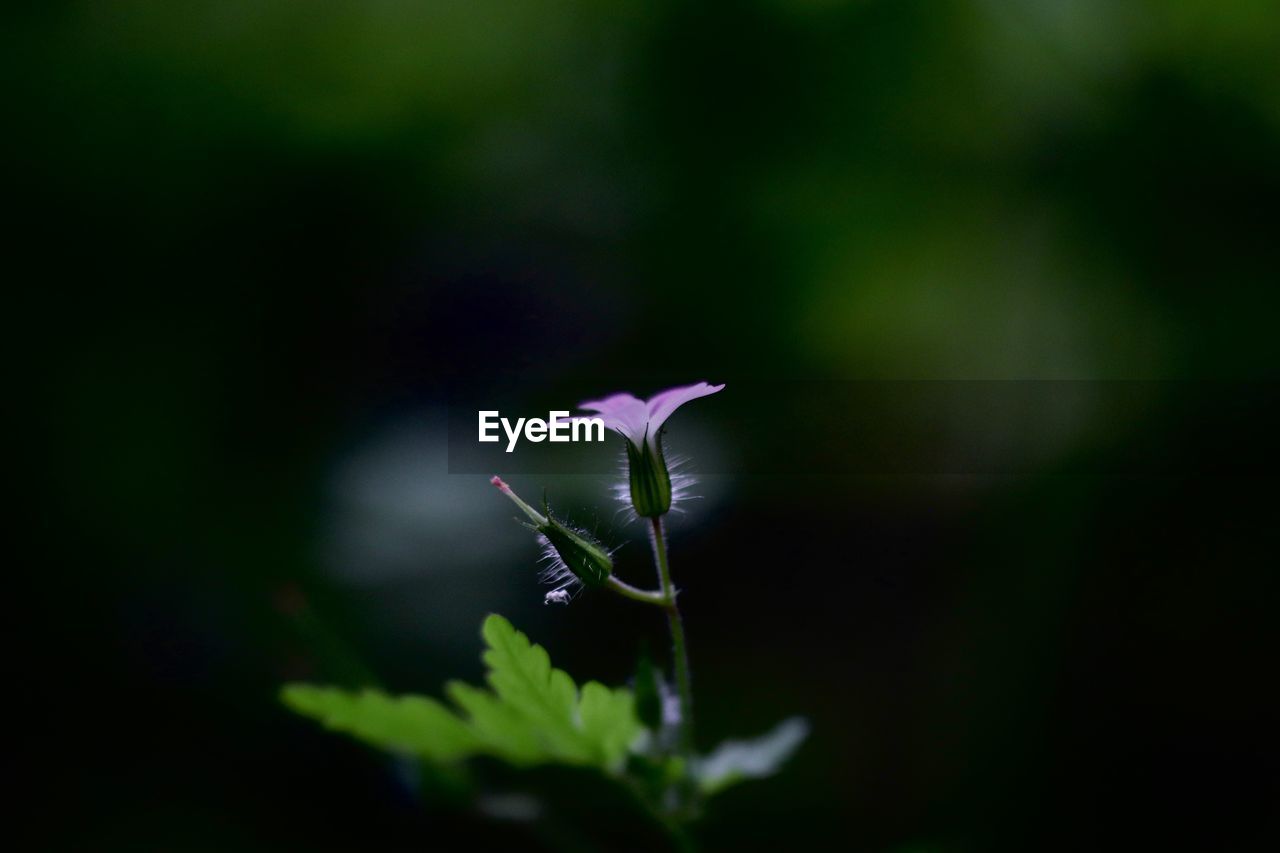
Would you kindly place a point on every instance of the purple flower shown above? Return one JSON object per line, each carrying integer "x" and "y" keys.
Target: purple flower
{"x": 640, "y": 422}
{"x": 637, "y": 419}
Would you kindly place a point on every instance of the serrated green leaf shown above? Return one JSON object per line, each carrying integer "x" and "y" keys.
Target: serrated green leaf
{"x": 736, "y": 761}
{"x": 531, "y": 715}
{"x": 609, "y": 721}
{"x": 520, "y": 672}
{"x": 501, "y": 729}
{"x": 408, "y": 724}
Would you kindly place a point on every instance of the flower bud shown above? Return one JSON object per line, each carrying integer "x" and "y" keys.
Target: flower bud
{"x": 578, "y": 550}
{"x": 575, "y": 552}
{"x": 650, "y": 480}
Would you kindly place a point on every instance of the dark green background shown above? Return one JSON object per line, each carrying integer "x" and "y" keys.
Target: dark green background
{"x": 256, "y": 243}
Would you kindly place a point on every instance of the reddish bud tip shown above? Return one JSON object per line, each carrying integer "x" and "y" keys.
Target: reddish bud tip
{"x": 497, "y": 481}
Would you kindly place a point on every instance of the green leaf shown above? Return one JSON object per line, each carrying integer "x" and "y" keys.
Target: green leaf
{"x": 532, "y": 714}
{"x": 609, "y": 721}
{"x": 410, "y": 724}
{"x": 546, "y": 698}
{"x": 736, "y": 761}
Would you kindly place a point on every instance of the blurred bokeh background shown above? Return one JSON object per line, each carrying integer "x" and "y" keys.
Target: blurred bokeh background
{"x": 259, "y": 244}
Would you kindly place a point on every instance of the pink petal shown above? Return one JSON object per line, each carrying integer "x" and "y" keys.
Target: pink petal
{"x": 621, "y": 412}
{"x": 663, "y": 404}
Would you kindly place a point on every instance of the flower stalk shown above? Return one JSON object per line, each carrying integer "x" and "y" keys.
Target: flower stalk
{"x": 644, "y": 596}
{"x": 680, "y": 649}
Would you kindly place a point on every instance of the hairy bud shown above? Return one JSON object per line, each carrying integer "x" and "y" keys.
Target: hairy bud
{"x": 576, "y": 551}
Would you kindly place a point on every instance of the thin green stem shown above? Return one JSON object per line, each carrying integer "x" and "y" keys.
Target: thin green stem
{"x": 680, "y": 651}
{"x": 626, "y": 590}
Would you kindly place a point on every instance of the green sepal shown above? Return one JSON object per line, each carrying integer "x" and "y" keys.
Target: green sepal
{"x": 650, "y": 480}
